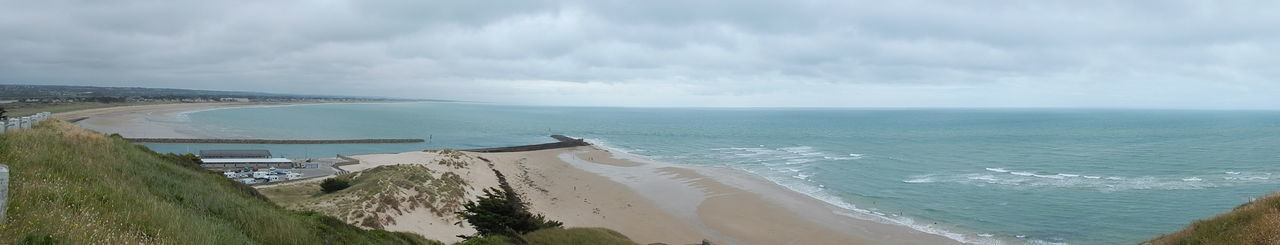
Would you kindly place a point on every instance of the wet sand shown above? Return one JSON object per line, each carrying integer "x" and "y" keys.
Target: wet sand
{"x": 656, "y": 202}
{"x": 143, "y": 121}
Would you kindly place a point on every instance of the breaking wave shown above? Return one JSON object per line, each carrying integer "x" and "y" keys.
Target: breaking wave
{"x": 1017, "y": 178}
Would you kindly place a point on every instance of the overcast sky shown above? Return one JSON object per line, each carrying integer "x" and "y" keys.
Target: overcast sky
{"x": 1077, "y": 53}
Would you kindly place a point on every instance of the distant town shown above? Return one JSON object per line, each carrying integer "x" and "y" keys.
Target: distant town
{"x": 73, "y": 94}
{"x": 25, "y": 100}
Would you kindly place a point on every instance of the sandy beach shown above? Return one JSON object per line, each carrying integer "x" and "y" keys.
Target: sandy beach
{"x": 656, "y": 202}
{"x": 650, "y": 202}
{"x": 143, "y": 121}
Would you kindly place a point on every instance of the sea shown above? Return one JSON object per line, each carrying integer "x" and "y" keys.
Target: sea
{"x": 984, "y": 176}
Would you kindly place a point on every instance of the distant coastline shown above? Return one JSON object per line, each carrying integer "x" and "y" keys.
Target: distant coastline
{"x": 147, "y": 121}
{"x": 272, "y": 141}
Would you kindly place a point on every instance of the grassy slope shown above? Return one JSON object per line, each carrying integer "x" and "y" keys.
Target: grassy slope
{"x": 559, "y": 236}
{"x": 80, "y": 187}
{"x": 598, "y": 236}
{"x": 1257, "y": 222}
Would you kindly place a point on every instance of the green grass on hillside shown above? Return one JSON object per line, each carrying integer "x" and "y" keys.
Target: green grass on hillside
{"x": 559, "y": 236}
{"x": 72, "y": 186}
{"x": 597, "y": 236}
{"x": 1257, "y": 222}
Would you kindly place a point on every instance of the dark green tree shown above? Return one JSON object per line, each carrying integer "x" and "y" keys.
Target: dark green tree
{"x": 334, "y": 184}
{"x": 2, "y": 114}
{"x": 497, "y": 214}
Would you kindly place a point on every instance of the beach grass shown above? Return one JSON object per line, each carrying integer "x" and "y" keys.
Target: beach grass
{"x": 378, "y": 194}
{"x": 1256, "y": 222}
{"x": 73, "y": 186}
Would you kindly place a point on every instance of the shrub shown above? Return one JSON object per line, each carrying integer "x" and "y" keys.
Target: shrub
{"x": 38, "y": 239}
{"x": 489, "y": 240}
{"x": 496, "y": 214}
{"x": 335, "y": 184}
{"x": 596, "y": 236}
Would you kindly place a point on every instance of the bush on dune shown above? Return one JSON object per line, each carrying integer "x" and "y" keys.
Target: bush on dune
{"x": 496, "y": 214}
{"x": 334, "y": 184}
{"x": 498, "y": 219}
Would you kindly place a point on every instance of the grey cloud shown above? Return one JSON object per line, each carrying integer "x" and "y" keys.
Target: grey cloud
{"x": 744, "y": 53}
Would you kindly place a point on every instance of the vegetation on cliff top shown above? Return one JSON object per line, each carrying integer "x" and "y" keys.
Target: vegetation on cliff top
{"x": 1256, "y": 222}
{"x": 72, "y": 186}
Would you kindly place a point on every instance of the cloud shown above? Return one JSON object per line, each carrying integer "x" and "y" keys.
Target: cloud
{"x": 1179, "y": 54}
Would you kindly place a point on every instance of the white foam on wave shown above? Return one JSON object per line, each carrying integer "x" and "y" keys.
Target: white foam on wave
{"x": 625, "y": 153}
{"x": 771, "y": 164}
{"x": 786, "y": 166}
{"x": 1029, "y": 179}
{"x": 1039, "y": 242}
{"x": 922, "y": 179}
{"x": 1054, "y": 176}
{"x": 852, "y": 156}
{"x": 1247, "y": 178}
{"x": 986, "y": 178}
{"x": 802, "y": 176}
{"x": 820, "y": 193}
{"x": 793, "y": 155}
{"x": 924, "y": 227}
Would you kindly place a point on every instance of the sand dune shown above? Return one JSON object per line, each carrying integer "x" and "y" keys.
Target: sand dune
{"x": 648, "y": 202}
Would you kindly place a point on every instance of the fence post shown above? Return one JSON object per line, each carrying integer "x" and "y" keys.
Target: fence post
{"x": 4, "y": 191}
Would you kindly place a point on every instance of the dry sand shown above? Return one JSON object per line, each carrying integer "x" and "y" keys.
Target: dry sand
{"x": 478, "y": 175}
{"x": 654, "y": 202}
{"x": 142, "y": 121}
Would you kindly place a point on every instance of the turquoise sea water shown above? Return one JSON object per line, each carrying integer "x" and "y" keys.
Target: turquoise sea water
{"x": 1026, "y": 175}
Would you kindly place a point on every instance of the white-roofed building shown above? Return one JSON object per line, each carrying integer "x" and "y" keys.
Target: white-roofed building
{"x": 224, "y": 163}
